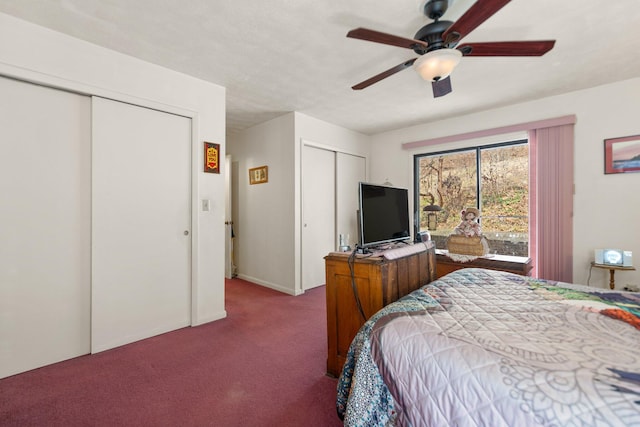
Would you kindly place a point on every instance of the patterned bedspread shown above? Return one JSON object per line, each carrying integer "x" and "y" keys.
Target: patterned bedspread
{"x": 486, "y": 348}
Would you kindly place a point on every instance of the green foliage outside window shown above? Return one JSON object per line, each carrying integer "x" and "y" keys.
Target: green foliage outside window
{"x": 451, "y": 180}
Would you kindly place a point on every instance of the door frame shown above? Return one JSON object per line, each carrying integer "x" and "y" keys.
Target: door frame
{"x": 229, "y": 261}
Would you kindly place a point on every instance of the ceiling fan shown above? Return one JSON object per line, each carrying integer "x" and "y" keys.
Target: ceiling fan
{"x": 437, "y": 44}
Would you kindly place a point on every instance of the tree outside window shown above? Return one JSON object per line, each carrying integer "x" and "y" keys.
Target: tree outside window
{"x": 500, "y": 190}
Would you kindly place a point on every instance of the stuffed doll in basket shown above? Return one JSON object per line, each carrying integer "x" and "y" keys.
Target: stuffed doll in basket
{"x": 469, "y": 225}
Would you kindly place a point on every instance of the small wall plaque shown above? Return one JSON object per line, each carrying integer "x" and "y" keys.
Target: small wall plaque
{"x": 258, "y": 175}
{"x": 211, "y": 157}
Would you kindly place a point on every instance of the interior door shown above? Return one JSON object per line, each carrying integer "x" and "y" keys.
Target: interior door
{"x": 318, "y": 213}
{"x": 45, "y": 146}
{"x": 141, "y": 220}
{"x": 350, "y": 170}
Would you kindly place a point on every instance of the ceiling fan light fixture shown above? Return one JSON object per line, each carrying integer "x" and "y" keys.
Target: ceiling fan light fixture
{"x": 437, "y": 64}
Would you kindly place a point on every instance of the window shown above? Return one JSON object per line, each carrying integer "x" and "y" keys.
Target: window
{"x": 500, "y": 190}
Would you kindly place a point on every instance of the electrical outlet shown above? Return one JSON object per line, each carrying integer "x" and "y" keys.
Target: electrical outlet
{"x": 631, "y": 288}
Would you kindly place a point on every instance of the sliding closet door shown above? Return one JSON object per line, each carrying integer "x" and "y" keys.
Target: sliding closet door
{"x": 350, "y": 170}
{"x": 45, "y": 143}
{"x": 329, "y": 204}
{"x": 318, "y": 213}
{"x": 141, "y": 222}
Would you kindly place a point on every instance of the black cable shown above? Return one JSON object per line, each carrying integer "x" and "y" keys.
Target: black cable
{"x": 589, "y": 278}
{"x": 350, "y": 262}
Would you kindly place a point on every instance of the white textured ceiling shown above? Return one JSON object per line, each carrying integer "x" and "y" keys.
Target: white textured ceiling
{"x": 277, "y": 56}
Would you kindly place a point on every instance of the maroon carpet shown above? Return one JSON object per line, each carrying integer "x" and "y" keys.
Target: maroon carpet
{"x": 264, "y": 365}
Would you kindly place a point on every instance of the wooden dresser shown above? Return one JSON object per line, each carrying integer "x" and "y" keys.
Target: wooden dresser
{"x": 512, "y": 264}
{"x": 379, "y": 281}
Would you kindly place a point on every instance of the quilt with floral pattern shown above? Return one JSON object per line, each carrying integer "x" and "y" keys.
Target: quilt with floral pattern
{"x": 487, "y": 348}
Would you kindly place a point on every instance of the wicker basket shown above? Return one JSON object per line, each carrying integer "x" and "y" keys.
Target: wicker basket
{"x": 462, "y": 245}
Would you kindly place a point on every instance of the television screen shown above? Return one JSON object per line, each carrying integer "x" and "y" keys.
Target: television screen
{"x": 383, "y": 215}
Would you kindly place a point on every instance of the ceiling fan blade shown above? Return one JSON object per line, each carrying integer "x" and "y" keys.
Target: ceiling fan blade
{"x": 441, "y": 87}
{"x": 476, "y": 15}
{"x": 523, "y": 48}
{"x": 384, "y": 75}
{"x": 384, "y": 38}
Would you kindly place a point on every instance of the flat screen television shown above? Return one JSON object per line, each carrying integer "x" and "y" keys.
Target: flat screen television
{"x": 383, "y": 214}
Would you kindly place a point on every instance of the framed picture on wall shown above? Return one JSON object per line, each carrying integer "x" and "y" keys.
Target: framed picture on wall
{"x": 211, "y": 157}
{"x": 258, "y": 175}
{"x": 622, "y": 155}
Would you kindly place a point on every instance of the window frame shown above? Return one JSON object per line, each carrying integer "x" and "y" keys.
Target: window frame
{"x": 477, "y": 149}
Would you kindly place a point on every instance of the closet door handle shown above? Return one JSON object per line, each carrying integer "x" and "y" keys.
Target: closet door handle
{"x": 186, "y": 232}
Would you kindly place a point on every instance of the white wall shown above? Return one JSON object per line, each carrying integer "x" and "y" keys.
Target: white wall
{"x": 33, "y": 53}
{"x": 605, "y": 206}
{"x": 267, "y": 224}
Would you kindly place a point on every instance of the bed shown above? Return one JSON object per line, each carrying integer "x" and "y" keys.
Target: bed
{"x": 488, "y": 348}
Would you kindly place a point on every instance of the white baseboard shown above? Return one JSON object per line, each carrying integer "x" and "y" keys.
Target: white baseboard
{"x": 210, "y": 318}
{"x": 270, "y": 285}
